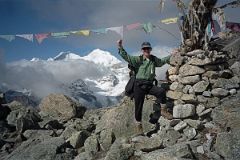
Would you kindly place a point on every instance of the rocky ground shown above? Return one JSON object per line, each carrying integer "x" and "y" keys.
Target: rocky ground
{"x": 206, "y": 108}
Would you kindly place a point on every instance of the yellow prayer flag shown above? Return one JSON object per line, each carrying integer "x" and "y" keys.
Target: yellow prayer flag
{"x": 169, "y": 20}
{"x": 82, "y": 32}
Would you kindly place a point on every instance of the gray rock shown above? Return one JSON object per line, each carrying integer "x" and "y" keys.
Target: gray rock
{"x": 176, "y": 86}
{"x": 189, "y": 79}
{"x": 190, "y": 70}
{"x": 68, "y": 132}
{"x": 184, "y": 111}
{"x": 212, "y": 102}
{"x": 227, "y": 117}
{"x": 200, "y": 150}
{"x": 195, "y": 52}
{"x": 205, "y": 112}
{"x": 61, "y": 107}
{"x": 84, "y": 156}
{"x": 226, "y": 73}
{"x": 176, "y": 60}
{"x": 211, "y": 74}
{"x": 227, "y": 83}
{"x": 164, "y": 122}
{"x": 180, "y": 126}
{"x": 189, "y": 98}
{"x": 121, "y": 119}
{"x": 200, "y": 108}
{"x": 77, "y": 139}
{"x": 186, "y": 89}
{"x": 174, "y": 94}
{"x": 173, "y": 70}
{"x": 34, "y": 134}
{"x": 177, "y": 151}
{"x": 190, "y": 132}
{"x": 219, "y": 92}
{"x": 24, "y": 119}
{"x": 174, "y": 122}
{"x": 171, "y": 137}
{"x": 233, "y": 91}
{"x": 173, "y": 78}
{"x": 39, "y": 149}
{"x": 120, "y": 150}
{"x": 200, "y": 62}
{"x": 147, "y": 144}
{"x": 107, "y": 138}
{"x": 91, "y": 145}
{"x": 193, "y": 123}
{"x": 207, "y": 94}
{"x": 202, "y": 99}
{"x": 228, "y": 145}
{"x": 200, "y": 86}
{"x": 236, "y": 68}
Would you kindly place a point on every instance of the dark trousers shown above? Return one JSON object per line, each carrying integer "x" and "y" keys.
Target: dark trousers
{"x": 140, "y": 91}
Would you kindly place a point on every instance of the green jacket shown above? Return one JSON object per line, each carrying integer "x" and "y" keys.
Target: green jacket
{"x": 146, "y": 69}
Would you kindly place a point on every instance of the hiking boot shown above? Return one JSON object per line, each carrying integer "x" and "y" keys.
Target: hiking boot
{"x": 138, "y": 128}
{"x": 165, "y": 113}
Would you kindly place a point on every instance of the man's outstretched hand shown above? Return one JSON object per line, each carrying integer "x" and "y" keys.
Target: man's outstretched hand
{"x": 119, "y": 43}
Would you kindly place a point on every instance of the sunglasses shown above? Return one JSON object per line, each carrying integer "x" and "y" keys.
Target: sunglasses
{"x": 147, "y": 48}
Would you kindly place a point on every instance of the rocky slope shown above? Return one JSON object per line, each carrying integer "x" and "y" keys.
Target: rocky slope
{"x": 206, "y": 107}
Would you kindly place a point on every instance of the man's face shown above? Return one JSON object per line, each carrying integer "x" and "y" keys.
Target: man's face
{"x": 146, "y": 51}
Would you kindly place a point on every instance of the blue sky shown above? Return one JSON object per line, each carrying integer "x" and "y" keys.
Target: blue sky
{"x": 32, "y": 16}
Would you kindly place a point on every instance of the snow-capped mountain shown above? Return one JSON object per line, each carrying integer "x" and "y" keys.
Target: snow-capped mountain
{"x": 66, "y": 56}
{"x": 101, "y": 57}
{"x": 95, "y": 80}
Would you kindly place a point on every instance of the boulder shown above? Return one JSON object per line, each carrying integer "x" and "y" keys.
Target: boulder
{"x": 91, "y": 145}
{"x": 106, "y": 139}
{"x": 34, "y": 134}
{"x": 190, "y": 132}
{"x": 227, "y": 83}
{"x": 178, "y": 151}
{"x": 121, "y": 120}
{"x": 40, "y": 148}
{"x": 176, "y": 86}
{"x": 180, "y": 126}
{"x": 236, "y": 68}
{"x": 189, "y": 79}
{"x": 176, "y": 60}
{"x": 200, "y": 62}
{"x": 211, "y": 74}
{"x": 219, "y": 92}
{"x": 184, "y": 111}
{"x": 174, "y": 94}
{"x": 200, "y": 86}
{"x": 190, "y": 70}
{"x": 147, "y": 144}
{"x": 195, "y": 52}
{"x": 227, "y": 117}
{"x": 120, "y": 150}
{"x": 61, "y": 107}
{"x": 189, "y": 98}
{"x": 77, "y": 139}
{"x": 173, "y": 70}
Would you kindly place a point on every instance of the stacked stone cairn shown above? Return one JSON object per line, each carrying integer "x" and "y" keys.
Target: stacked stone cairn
{"x": 200, "y": 79}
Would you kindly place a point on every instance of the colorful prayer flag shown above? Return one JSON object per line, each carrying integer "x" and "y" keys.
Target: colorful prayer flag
{"x": 133, "y": 26}
{"x": 41, "y": 37}
{"x": 118, "y": 30}
{"x": 82, "y": 32}
{"x": 148, "y": 27}
{"x": 100, "y": 31}
{"x": 8, "y": 37}
{"x": 169, "y": 20}
{"x": 60, "y": 34}
{"x": 26, "y": 36}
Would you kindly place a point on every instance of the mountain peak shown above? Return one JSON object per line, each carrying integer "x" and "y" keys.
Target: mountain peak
{"x": 99, "y": 56}
{"x": 66, "y": 56}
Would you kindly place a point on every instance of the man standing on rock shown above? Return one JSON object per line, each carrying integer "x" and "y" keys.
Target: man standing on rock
{"x": 145, "y": 76}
